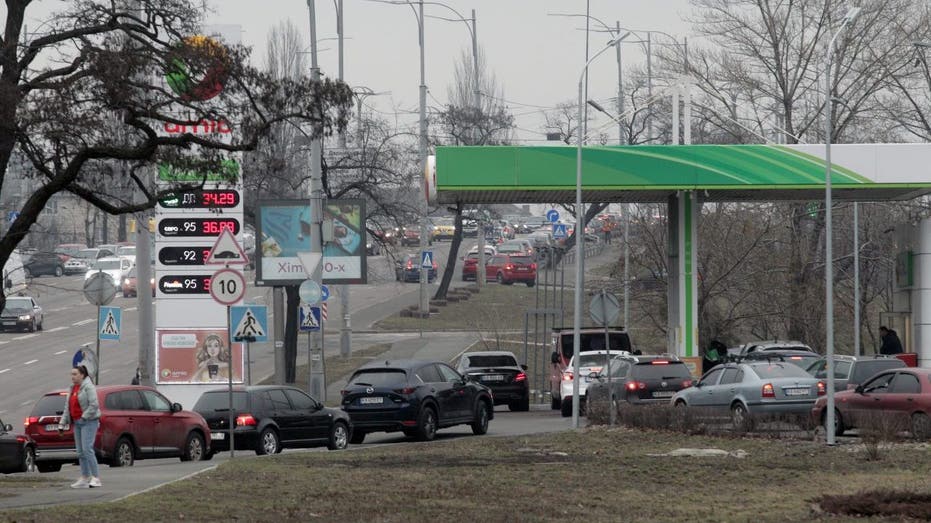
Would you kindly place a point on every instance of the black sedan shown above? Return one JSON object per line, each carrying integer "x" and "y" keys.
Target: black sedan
{"x": 17, "y": 451}
{"x": 269, "y": 418}
{"x": 408, "y": 269}
{"x": 499, "y": 371}
{"x": 416, "y": 397}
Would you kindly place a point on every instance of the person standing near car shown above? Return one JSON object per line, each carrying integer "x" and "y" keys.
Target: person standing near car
{"x": 82, "y": 411}
{"x": 890, "y": 341}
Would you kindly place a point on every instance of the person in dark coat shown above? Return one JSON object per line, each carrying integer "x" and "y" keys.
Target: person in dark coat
{"x": 890, "y": 341}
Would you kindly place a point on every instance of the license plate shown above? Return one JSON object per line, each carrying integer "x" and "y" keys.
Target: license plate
{"x": 371, "y": 401}
{"x": 796, "y": 392}
{"x": 217, "y": 435}
{"x": 525, "y": 269}
{"x": 9, "y": 323}
{"x": 53, "y": 428}
{"x": 493, "y": 377}
{"x": 663, "y": 394}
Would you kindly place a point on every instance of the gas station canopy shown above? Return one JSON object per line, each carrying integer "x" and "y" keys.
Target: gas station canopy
{"x": 652, "y": 173}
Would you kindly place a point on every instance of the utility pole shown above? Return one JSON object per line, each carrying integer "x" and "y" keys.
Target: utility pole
{"x": 622, "y": 140}
{"x": 345, "y": 327}
{"x": 424, "y": 298}
{"x": 317, "y": 381}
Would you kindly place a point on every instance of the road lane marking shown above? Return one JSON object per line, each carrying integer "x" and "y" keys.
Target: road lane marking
{"x": 83, "y": 322}
{"x": 131, "y": 309}
{"x": 4, "y": 342}
{"x": 57, "y": 329}
{"x": 27, "y": 402}
{"x": 60, "y": 352}
{"x": 26, "y": 337}
{"x": 104, "y": 371}
{"x": 2, "y": 412}
{"x": 4, "y": 370}
{"x": 30, "y": 362}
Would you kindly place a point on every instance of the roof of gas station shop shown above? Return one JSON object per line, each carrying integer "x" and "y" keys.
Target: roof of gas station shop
{"x": 652, "y": 173}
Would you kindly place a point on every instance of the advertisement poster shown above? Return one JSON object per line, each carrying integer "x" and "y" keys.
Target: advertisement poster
{"x": 197, "y": 356}
{"x": 284, "y": 230}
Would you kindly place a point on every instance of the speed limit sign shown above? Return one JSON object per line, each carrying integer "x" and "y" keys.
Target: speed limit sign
{"x": 228, "y": 286}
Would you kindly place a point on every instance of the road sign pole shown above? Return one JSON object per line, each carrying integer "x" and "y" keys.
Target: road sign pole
{"x": 248, "y": 363}
{"x": 229, "y": 373}
{"x": 604, "y": 313}
{"x": 97, "y": 370}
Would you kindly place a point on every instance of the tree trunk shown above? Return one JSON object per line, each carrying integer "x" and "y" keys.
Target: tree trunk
{"x": 590, "y": 213}
{"x": 453, "y": 256}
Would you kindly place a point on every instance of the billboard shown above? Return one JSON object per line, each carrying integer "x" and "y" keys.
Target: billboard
{"x": 283, "y": 229}
{"x": 197, "y": 356}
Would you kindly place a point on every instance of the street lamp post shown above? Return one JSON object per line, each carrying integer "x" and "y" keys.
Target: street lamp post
{"x": 579, "y": 237}
{"x": 828, "y": 251}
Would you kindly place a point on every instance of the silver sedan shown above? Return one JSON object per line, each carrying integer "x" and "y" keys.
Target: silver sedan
{"x": 751, "y": 391}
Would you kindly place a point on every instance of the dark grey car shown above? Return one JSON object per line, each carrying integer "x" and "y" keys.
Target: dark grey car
{"x": 850, "y": 371}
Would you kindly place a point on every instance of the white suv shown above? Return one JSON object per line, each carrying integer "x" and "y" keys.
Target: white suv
{"x": 589, "y": 362}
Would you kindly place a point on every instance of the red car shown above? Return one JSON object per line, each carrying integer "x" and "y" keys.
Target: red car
{"x": 903, "y": 393}
{"x": 135, "y": 423}
{"x": 128, "y": 285}
{"x": 508, "y": 269}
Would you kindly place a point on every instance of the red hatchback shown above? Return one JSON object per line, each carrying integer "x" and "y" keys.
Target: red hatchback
{"x": 507, "y": 269}
{"x": 135, "y": 423}
{"x": 904, "y": 394}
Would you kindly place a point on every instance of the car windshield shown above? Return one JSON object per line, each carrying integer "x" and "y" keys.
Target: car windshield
{"x": 86, "y": 253}
{"x": 496, "y": 360}
{"x": 591, "y": 360}
{"x": 126, "y": 251}
{"x": 780, "y": 370}
{"x": 220, "y": 400}
{"x": 509, "y": 248}
{"x": 18, "y": 303}
{"x": 379, "y": 377}
{"x": 672, "y": 370}
{"x": 106, "y": 265}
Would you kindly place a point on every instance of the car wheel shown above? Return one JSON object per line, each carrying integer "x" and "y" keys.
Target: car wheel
{"x": 500, "y": 279}
{"x": 48, "y": 467}
{"x": 34, "y": 326}
{"x": 58, "y": 272}
{"x": 838, "y": 422}
{"x": 921, "y": 426}
{"x": 357, "y": 437}
{"x": 521, "y": 405}
{"x": 426, "y": 425}
{"x": 41, "y": 325}
{"x": 193, "y": 448}
{"x": 28, "y": 464}
{"x": 123, "y": 454}
{"x": 566, "y": 408}
{"x": 740, "y": 418}
{"x": 554, "y": 402}
{"x": 339, "y": 436}
{"x": 480, "y": 424}
{"x": 268, "y": 442}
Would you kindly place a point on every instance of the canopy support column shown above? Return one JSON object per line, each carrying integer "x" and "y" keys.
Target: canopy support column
{"x": 683, "y": 210}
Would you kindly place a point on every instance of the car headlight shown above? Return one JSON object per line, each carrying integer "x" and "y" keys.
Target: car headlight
{"x": 25, "y": 317}
{"x": 126, "y": 281}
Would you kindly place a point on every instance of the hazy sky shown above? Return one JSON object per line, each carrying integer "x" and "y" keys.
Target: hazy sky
{"x": 536, "y": 57}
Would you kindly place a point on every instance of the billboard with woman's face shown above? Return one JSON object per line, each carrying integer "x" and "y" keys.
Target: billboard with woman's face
{"x": 197, "y": 356}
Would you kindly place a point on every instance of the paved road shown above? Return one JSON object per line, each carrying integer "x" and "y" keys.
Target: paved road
{"x": 34, "y": 363}
{"x": 122, "y": 482}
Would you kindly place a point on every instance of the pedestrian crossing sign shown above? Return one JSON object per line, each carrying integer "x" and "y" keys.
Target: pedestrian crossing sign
{"x": 426, "y": 260}
{"x": 249, "y": 321}
{"x": 309, "y": 318}
{"x": 109, "y": 323}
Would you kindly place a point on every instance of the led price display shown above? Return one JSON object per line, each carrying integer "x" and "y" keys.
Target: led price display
{"x": 183, "y": 255}
{"x": 201, "y": 199}
{"x": 180, "y": 227}
{"x": 185, "y": 284}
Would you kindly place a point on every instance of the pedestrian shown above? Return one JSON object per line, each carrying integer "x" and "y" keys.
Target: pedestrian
{"x": 890, "y": 341}
{"x": 714, "y": 355}
{"x": 82, "y": 411}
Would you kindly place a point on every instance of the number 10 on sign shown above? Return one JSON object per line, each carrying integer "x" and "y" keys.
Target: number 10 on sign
{"x": 228, "y": 286}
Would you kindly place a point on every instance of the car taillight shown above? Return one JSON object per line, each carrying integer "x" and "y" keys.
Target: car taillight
{"x": 30, "y": 420}
{"x": 769, "y": 391}
{"x": 634, "y": 385}
{"x": 343, "y": 392}
{"x": 410, "y": 265}
{"x": 245, "y": 420}
{"x": 822, "y": 390}
{"x": 508, "y": 267}
{"x": 686, "y": 383}
{"x": 659, "y": 362}
{"x": 520, "y": 376}
{"x": 21, "y": 439}
{"x": 533, "y": 266}
{"x": 567, "y": 376}
{"x": 405, "y": 390}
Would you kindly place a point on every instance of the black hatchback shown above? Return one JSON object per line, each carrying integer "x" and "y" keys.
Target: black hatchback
{"x": 269, "y": 418}
{"x": 641, "y": 379}
{"x": 416, "y": 397}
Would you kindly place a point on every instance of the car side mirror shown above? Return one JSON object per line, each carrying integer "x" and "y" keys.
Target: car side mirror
{"x": 318, "y": 406}
{"x": 859, "y": 389}
{"x": 176, "y": 407}
{"x": 554, "y": 358}
{"x": 8, "y": 428}
{"x": 523, "y": 367}
{"x": 697, "y": 385}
